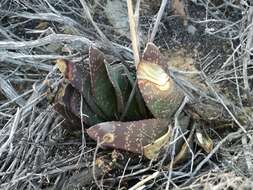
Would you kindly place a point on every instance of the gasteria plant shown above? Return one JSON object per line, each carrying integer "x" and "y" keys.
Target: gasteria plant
{"x": 114, "y": 112}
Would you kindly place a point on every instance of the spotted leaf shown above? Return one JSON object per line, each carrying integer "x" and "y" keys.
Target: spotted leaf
{"x": 160, "y": 93}
{"x": 101, "y": 87}
{"x": 68, "y": 103}
{"x": 135, "y": 136}
{"x": 79, "y": 78}
{"x": 61, "y": 104}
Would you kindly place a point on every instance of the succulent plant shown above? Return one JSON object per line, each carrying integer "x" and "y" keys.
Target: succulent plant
{"x": 107, "y": 89}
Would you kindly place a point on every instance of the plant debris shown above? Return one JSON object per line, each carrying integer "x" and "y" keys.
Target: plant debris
{"x": 67, "y": 70}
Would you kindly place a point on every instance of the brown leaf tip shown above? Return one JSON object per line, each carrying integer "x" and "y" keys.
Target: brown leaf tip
{"x": 66, "y": 67}
{"x": 152, "y": 54}
{"x": 61, "y": 65}
{"x": 96, "y": 59}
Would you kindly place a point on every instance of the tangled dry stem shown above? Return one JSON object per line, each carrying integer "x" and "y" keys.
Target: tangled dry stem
{"x": 34, "y": 153}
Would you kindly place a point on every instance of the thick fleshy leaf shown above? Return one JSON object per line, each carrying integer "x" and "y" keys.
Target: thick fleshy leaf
{"x": 68, "y": 103}
{"x": 161, "y": 94}
{"x": 152, "y": 150}
{"x": 61, "y": 104}
{"x": 132, "y": 136}
{"x": 122, "y": 82}
{"x": 79, "y": 78}
{"x": 101, "y": 86}
{"x": 73, "y": 73}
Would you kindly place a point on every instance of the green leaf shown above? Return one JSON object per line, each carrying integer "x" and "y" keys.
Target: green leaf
{"x": 101, "y": 87}
{"x": 121, "y": 80}
{"x": 119, "y": 83}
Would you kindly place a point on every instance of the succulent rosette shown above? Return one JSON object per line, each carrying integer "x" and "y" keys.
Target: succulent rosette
{"x": 103, "y": 95}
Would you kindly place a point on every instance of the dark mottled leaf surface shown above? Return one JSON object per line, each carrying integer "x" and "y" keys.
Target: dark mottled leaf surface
{"x": 101, "y": 87}
{"x": 68, "y": 104}
{"x": 121, "y": 81}
{"x": 159, "y": 91}
{"x": 129, "y": 136}
{"x": 79, "y": 78}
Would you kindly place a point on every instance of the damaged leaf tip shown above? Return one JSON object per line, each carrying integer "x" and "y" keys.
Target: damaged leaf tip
{"x": 61, "y": 65}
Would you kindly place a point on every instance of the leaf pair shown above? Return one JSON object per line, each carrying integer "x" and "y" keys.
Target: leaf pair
{"x": 79, "y": 78}
{"x": 94, "y": 86}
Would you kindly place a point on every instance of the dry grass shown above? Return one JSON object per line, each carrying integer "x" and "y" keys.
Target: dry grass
{"x": 36, "y": 152}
